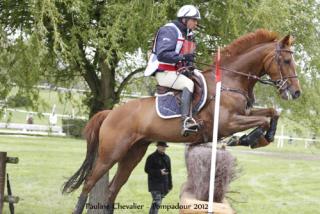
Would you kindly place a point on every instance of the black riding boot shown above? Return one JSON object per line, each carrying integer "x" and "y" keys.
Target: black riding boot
{"x": 188, "y": 123}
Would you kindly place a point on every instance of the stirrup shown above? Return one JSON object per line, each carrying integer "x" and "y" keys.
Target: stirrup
{"x": 189, "y": 126}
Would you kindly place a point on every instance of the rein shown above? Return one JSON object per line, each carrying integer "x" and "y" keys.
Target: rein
{"x": 279, "y": 83}
{"x": 223, "y": 88}
{"x": 250, "y": 76}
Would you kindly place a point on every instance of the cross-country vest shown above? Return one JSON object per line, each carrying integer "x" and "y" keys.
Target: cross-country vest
{"x": 182, "y": 47}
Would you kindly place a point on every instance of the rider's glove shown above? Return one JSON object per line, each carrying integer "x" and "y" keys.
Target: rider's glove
{"x": 188, "y": 58}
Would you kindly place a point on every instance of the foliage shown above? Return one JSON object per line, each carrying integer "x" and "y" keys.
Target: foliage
{"x": 18, "y": 101}
{"x": 74, "y": 40}
{"x": 73, "y": 127}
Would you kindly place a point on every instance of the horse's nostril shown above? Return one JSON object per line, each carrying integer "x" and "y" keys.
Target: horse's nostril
{"x": 296, "y": 94}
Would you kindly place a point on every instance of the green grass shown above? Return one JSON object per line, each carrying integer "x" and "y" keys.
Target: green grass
{"x": 266, "y": 186}
{"x": 277, "y": 186}
{"x": 44, "y": 165}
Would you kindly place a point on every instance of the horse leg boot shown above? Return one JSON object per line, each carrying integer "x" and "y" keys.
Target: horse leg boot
{"x": 252, "y": 138}
{"x": 272, "y": 130}
{"x": 189, "y": 125}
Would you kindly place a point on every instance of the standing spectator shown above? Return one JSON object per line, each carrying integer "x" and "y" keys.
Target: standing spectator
{"x": 53, "y": 117}
{"x": 158, "y": 168}
{"x": 30, "y": 118}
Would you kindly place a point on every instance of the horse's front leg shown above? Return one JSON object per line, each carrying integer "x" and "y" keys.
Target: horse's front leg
{"x": 268, "y": 112}
{"x": 256, "y": 137}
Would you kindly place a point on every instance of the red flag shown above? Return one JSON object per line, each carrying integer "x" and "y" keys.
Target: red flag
{"x": 218, "y": 72}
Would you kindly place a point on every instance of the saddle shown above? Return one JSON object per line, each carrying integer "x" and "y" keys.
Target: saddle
{"x": 168, "y": 100}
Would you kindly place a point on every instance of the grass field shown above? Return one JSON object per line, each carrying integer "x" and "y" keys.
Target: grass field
{"x": 267, "y": 184}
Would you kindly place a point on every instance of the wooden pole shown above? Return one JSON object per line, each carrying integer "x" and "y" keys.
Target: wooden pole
{"x": 13, "y": 160}
{"x": 3, "y": 161}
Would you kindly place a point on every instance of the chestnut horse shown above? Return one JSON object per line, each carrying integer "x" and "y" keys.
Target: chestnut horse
{"x": 123, "y": 134}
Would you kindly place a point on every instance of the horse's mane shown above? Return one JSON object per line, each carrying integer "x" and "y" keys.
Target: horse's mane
{"x": 245, "y": 42}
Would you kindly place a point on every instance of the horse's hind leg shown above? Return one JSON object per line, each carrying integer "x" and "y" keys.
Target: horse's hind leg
{"x": 125, "y": 167}
{"x": 99, "y": 169}
{"x": 105, "y": 160}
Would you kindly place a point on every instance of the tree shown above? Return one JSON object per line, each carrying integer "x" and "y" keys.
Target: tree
{"x": 84, "y": 39}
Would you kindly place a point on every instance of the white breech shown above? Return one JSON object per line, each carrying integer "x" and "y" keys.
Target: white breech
{"x": 173, "y": 80}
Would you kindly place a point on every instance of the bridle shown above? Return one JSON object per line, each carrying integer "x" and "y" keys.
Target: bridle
{"x": 279, "y": 83}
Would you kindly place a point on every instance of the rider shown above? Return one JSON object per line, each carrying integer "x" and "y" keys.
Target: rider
{"x": 171, "y": 51}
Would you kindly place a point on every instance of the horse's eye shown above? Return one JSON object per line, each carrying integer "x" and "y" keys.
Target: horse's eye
{"x": 287, "y": 61}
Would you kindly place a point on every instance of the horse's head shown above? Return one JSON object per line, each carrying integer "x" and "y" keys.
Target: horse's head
{"x": 281, "y": 68}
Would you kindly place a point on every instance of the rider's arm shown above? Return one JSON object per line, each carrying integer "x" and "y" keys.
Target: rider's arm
{"x": 166, "y": 45}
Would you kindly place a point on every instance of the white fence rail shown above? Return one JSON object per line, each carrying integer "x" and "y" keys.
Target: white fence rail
{"x": 45, "y": 113}
{"x": 282, "y": 137}
{"x": 20, "y": 128}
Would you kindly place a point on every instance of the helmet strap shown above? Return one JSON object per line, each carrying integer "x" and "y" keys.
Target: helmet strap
{"x": 184, "y": 20}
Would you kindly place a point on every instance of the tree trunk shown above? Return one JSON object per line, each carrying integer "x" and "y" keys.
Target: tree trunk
{"x": 107, "y": 83}
{"x": 103, "y": 99}
{"x": 104, "y": 93}
{"x": 95, "y": 106}
{"x": 99, "y": 194}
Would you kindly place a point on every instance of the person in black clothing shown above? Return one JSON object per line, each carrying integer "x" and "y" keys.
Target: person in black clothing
{"x": 158, "y": 168}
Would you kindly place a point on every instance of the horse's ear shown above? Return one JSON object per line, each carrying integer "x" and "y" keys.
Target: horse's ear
{"x": 288, "y": 40}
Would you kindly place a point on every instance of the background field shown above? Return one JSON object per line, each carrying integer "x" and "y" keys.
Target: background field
{"x": 270, "y": 182}
{"x": 73, "y": 104}
{"x": 48, "y": 98}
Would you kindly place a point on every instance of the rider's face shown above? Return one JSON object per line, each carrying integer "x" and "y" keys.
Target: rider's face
{"x": 192, "y": 24}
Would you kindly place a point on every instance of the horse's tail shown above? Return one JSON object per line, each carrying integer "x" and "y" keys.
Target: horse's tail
{"x": 91, "y": 133}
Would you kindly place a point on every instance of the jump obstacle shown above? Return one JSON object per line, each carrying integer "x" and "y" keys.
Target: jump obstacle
{"x": 194, "y": 193}
{"x": 4, "y": 159}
